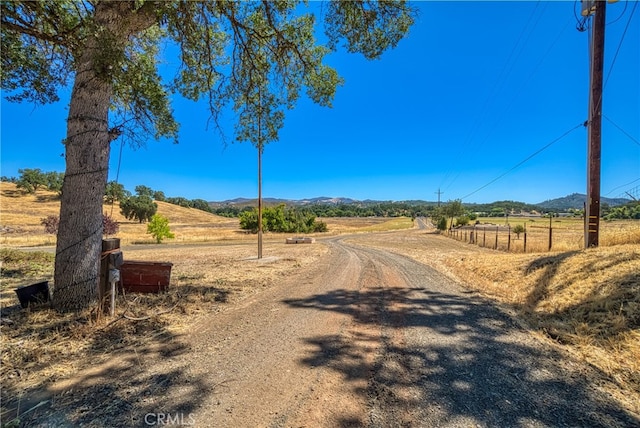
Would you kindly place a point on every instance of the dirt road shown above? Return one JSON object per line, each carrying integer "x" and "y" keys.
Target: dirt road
{"x": 366, "y": 337}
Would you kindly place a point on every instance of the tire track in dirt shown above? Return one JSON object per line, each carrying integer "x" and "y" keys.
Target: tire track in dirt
{"x": 366, "y": 337}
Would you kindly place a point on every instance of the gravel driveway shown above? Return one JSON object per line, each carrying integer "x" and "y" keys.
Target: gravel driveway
{"x": 365, "y": 337}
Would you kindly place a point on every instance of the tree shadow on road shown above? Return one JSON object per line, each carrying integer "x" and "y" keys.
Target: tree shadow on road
{"x": 446, "y": 359}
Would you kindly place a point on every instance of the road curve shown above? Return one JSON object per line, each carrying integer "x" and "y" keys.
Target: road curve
{"x": 372, "y": 338}
{"x": 364, "y": 338}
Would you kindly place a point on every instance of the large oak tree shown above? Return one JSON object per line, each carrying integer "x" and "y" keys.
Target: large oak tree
{"x": 255, "y": 56}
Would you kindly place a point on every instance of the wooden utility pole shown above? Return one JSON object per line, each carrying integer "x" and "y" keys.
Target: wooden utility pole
{"x": 594, "y": 134}
{"x": 260, "y": 147}
{"x": 439, "y": 193}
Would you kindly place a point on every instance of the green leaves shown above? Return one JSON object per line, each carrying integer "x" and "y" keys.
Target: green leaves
{"x": 141, "y": 208}
{"x": 368, "y": 27}
{"x": 282, "y": 219}
{"x": 259, "y": 57}
{"x": 158, "y": 227}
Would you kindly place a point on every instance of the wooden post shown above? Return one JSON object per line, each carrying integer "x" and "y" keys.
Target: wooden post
{"x": 525, "y": 238}
{"x": 550, "y": 232}
{"x": 484, "y": 237}
{"x": 509, "y": 240}
{"x": 594, "y": 130}
{"x": 109, "y": 246}
{"x": 497, "y": 228}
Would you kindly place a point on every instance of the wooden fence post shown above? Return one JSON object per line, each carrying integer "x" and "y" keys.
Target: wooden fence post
{"x": 497, "y": 229}
{"x": 484, "y": 236}
{"x": 550, "y": 232}
{"x": 509, "y": 240}
{"x": 525, "y": 238}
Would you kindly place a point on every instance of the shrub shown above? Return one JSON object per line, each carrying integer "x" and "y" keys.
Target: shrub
{"x": 518, "y": 229}
{"x": 50, "y": 224}
{"x": 462, "y": 220}
{"x": 109, "y": 225}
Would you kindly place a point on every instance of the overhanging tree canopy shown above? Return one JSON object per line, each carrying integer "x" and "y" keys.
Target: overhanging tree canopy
{"x": 256, "y": 56}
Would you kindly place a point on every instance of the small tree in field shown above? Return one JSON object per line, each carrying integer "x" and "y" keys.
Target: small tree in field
{"x": 518, "y": 229}
{"x": 442, "y": 223}
{"x": 158, "y": 227}
{"x": 141, "y": 208}
{"x": 31, "y": 179}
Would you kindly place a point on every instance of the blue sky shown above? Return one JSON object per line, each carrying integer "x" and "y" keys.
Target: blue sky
{"x": 474, "y": 89}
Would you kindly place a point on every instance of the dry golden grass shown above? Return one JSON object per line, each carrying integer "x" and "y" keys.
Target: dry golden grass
{"x": 20, "y": 217}
{"x": 588, "y": 300}
{"x": 213, "y": 264}
{"x": 567, "y": 234}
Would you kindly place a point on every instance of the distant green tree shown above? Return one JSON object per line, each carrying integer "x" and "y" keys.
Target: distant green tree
{"x": 158, "y": 227}
{"x": 249, "y": 220}
{"x": 624, "y": 212}
{"x": 141, "y": 208}
{"x": 442, "y": 223}
{"x": 54, "y": 181}
{"x": 463, "y": 220}
{"x": 158, "y": 195}
{"x": 180, "y": 201}
{"x": 282, "y": 220}
{"x": 142, "y": 190}
{"x": 453, "y": 209}
{"x": 31, "y": 179}
{"x": 518, "y": 229}
{"x": 115, "y": 192}
{"x": 201, "y": 204}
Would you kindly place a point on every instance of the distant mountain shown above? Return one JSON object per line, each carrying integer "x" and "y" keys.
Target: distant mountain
{"x": 576, "y": 201}
{"x": 322, "y": 200}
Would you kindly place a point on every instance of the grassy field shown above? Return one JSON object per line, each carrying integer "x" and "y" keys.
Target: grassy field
{"x": 20, "y": 217}
{"x": 567, "y": 234}
{"x": 586, "y": 300}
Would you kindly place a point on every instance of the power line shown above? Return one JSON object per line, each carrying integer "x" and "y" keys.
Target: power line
{"x": 518, "y": 91}
{"x": 623, "y": 185}
{"x": 537, "y": 152}
{"x": 624, "y": 33}
{"x": 615, "y": 56}
{"x": 622, "y": 130}
{"x": 497, "y": 85}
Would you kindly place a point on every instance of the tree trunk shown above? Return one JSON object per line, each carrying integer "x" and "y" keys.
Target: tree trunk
{"x": 87, "y": 162}
{"x": 79, "y": 244}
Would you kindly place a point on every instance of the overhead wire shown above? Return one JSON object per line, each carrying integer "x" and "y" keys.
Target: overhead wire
{"x": 496, "y": 88}
{"x": 623, "y": 185}
{"x": 613, "y": 62}
{"x": 622, "y": 130}
{"x": 516, "y": 93}
{"x": 528, "y": 158}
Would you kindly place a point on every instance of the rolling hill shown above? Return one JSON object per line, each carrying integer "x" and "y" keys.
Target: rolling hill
{"x": 576, "y": 201}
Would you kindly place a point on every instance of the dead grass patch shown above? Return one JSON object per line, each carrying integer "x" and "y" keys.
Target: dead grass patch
{"x": 589, "y": 300}
{"x": 41, "y": 345}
